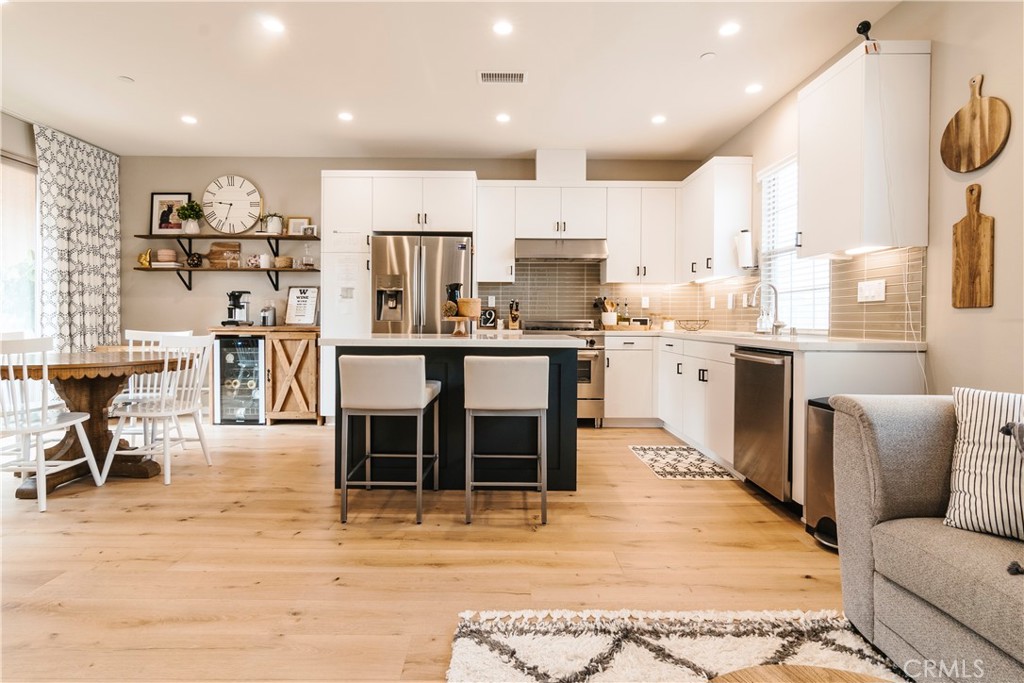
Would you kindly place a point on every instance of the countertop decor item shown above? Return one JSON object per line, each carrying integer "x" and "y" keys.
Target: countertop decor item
{"x": 232, "y": 204}
{"x": 219, "y": 251}
{"x": 469, "y": 307}
{"x": 449, "y": 309}
{"x": 145, "y": 258}
{"x": 271, "y": 223}
{"x": 166, "y": 255}
{"x": 977, "y": 133}
{"x": 190, "y": 212}
{"x": 973, "y": 255}
{"x": 283, "y": 261}
{"x": 692, "y": 325}
{"x": 194, "y": 260}
{"x": 460, "y": 325}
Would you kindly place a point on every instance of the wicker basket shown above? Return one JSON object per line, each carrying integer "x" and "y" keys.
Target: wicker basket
{"x": 282, "y": 261}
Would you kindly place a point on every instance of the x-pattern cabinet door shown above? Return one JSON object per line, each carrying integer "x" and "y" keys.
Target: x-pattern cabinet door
{"x": 292, "y": 391}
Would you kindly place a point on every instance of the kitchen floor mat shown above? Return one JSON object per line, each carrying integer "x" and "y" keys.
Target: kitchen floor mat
{"x": 680, "y": 462}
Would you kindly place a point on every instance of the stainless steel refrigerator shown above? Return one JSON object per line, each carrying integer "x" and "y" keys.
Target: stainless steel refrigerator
{"x": 410, "y": 279}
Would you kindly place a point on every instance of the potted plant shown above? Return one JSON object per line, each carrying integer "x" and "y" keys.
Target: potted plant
{"x": 190, "y": 212}
{"x": 272, "y": 223}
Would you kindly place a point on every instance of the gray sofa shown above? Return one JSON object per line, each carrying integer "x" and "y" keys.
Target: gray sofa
{"x": 937, "y": 600}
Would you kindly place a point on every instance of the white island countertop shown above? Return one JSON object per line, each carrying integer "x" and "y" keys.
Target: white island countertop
{"x": 505, "y": 338}
{"x": 781, "y": 342}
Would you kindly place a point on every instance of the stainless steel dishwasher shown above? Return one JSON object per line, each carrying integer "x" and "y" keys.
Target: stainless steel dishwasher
{"x": 762, "y": 422}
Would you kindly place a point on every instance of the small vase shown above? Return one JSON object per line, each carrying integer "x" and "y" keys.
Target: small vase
{"x": 191, "y": 226}
{"x": 274, "y": 225}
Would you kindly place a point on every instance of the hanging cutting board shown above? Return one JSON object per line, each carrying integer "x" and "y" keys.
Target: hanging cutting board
{"x": 973, "y": 255}
{"x": 218, "y": 254}
{"x": 977, "y": 133}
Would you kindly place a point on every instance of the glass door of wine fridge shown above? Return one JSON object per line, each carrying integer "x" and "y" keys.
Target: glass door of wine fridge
{"x": 239, "y": 377}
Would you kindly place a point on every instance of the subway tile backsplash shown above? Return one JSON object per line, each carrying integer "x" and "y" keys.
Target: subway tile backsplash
{"x": 567, "y": 290}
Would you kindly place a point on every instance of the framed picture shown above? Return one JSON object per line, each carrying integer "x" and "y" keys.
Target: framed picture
{"x": 295, "y": 224}
{"x": 163, "y": 218}
{"x": 488, "y": 317}
{"x": 302, "y": 306}
{"x": 309, "y": 231}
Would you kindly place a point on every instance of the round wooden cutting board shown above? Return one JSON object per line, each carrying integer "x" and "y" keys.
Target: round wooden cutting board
{"x": 977, "y": 133}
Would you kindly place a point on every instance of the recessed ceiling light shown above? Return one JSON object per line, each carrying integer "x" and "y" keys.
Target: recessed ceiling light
{"x": 707, "y": 56}
{"x": 123, "y": 79}
{"x": 346, "y": 116}
{"x": 502, "y": 28}
{"x": 729, "y": 29}
{"x": 190, "y": 120}
{"x": 658, "y": 119}
{"x": 753, "y": 88}
{"x": 272, "y": 25}
{"x": 502, "y": 118}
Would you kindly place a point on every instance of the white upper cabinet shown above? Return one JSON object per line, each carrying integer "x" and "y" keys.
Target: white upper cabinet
{"x": 714, "y": 206}
{"x": 495, "y": 234}
{"x": 561, "y": 212}
{"x": 442, "y": 202}
{"x": 641, "y": 235}
{"x": 863, "y": 150}
{"x": 346, "y": 208}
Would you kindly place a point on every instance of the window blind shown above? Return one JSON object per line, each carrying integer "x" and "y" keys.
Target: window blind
{"x": 18, "y": 248}
{"x": 803, "y": 284}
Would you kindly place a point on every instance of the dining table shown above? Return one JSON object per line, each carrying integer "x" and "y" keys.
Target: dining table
{"x": 88, "y": 382}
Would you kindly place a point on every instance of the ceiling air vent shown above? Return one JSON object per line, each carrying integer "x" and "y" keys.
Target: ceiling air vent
{"x": 503, "y": 77}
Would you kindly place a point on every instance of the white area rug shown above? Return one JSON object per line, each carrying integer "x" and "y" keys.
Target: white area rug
{"x": 680, "y": 462}
{"x": 653, "y": 646}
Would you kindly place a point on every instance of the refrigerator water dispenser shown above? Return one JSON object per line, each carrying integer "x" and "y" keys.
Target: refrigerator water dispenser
{"x": 390, "y": 298}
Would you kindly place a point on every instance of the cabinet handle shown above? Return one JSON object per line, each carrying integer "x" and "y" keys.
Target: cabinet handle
{"x": 693, "y": 266}
{"x": 563, "y": 226}
{"x": 645, "y": 271}
{"x": 417, "y": 219}
{"x": 510, "y": 269}
{"x": 558, "y": 226}
{"x": 638, "y": 271}
{"x": 424, "y": 218}
{"x": 670, "y": 345}
{"x": 799, "y": 239}
{"x": 708, "y": 263}
{"x": 607, "y": 362}
{"x": 679, "y": 368}
{"x": 367, "y": 240}
{"x": 367, "y": 264}
{"x": 626, "y": 343}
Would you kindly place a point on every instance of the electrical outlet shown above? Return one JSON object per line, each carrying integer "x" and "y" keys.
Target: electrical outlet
{"x": 645, "y": 302}
{"x": 729, "y": 302}
{"x": 711, "y": 302}
{"x": 870, "y": 290}
{"x": 490, "y": 301}
{"x": 746, "y": 300}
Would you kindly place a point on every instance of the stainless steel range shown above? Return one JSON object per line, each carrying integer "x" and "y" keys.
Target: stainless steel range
{"x": 589, "y": 363}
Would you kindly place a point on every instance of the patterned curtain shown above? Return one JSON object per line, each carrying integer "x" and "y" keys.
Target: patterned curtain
{"x": 80, "y": 232}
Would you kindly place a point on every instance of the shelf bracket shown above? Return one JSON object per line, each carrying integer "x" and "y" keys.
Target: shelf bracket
{"x": 275, "y": 249}
{"x": 187, "y": 248}
{"x": 185, "y": 281}
{"x": 274, "y": 277}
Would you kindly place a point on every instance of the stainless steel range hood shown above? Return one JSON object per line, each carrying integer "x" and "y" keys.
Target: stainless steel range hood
{"x": 561, "y": 250}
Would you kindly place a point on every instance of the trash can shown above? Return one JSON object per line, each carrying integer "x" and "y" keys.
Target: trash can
{"x": 820, "y": 511}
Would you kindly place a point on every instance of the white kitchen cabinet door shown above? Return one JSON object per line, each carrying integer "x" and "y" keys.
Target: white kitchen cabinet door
{"x": 624, "y": 221}
{"x": 584, "y": 213}
{"x": 448, "y": 204}
{"x": 696, "y": 222}
{"x": 657, "y": 235}
{"x": 863, "y": 151}
{"x": 398, "y": 204}
{"x": 538, "y": 212}
{"x": 719, "y": 392}
{"x": 346, "y": 210}
{"x": 496, "y": 234}
{"x": 715, "y": 206}
{"x": 670, "y": 386}
{"x": 694, "y": 402}
{"x": 345, "y": 311}
{"x": 628, "y": 384}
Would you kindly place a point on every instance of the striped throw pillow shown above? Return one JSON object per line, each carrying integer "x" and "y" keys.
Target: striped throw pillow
{"x": 987, "y": 486}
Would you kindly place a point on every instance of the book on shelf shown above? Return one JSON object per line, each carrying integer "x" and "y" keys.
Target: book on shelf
{"x": 166, "y": 264}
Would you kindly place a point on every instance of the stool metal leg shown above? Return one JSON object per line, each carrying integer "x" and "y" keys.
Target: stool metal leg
{"x": 367, "y": 449}
{"x": 419, "y": 467}
{"x": 344, "y": 466}
{"x": 543, "y": 460}
{"x": 437, "y": 447}
{"x": 469, "y": 466}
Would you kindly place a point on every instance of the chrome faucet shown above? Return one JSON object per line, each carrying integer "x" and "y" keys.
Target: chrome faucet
{"x": 766, "y": 324}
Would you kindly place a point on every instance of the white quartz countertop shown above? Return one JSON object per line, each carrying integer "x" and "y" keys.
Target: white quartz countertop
{"x": 782, "y": 342}
{"x": 505, "y": 338}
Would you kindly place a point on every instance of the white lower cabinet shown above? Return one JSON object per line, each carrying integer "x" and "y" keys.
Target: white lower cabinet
{"x": 629, "y": 377}
{"x": 708, "y": 398}
{"x": 670, "y": 384}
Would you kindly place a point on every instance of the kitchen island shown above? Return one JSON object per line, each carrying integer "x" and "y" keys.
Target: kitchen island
{"x": 445, "y": 356}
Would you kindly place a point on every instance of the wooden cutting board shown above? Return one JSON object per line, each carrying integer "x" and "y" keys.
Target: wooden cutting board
{"x": 973, "y": 255}
{"x": 977, "y": 133}
{"x": 217, "y": 256}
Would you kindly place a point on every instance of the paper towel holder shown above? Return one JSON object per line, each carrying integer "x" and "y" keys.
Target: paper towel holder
{"x": 745, "y": 250}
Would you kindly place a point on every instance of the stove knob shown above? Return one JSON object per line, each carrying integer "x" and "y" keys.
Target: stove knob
{"x": 591, "y": 343}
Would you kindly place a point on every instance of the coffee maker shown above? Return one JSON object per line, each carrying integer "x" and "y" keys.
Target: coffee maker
{"x": 238, "y": 308}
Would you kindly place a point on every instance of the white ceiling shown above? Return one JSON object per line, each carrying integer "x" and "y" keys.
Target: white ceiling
{"x": 597, "y": 73}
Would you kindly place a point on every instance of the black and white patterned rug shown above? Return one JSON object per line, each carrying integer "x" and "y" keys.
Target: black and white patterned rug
{"x": 680, "y": 462}
{"x": 653, "y": 646}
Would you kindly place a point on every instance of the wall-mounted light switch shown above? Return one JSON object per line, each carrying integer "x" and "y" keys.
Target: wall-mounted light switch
{"x": 729, "y": 302}
{"x": 711, "y": 302}
{"x": 870, "y": 290}
{"x": 645, "y": 302}
{"x": 490, "y": 301}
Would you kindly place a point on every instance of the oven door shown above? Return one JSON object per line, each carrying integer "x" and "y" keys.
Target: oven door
{"x": 590, "y": 374}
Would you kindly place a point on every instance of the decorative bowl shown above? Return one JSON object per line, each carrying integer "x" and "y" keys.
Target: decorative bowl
{"x": 166, "y": 255}
{"x": 692, "y": 325}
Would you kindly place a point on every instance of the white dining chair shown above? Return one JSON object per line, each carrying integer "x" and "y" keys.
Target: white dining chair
{"x": 176, "y": 393}
{"x": 26, "y": 416}
{"x": 142, "y": 385}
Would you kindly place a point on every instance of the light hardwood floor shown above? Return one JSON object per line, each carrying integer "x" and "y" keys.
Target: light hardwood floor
{"x": 242, "y": 571}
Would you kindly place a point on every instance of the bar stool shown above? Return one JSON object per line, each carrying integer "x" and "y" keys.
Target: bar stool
{"x": 386, "y": 385}
{"x": 507, "y": 387}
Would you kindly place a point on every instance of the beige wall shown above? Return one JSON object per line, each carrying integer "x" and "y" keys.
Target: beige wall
{"x": 17, "y": 139}
{"x": 290, "y": 186}
{"x": 973, "y": 347}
